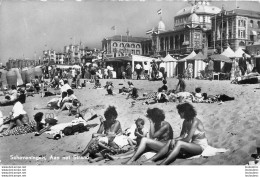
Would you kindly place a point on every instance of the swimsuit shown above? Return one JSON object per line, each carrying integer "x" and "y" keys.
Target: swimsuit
{"x": 202, "y": 142}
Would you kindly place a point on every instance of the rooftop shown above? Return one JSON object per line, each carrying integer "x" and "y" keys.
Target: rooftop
{"x": 127, "y": 38}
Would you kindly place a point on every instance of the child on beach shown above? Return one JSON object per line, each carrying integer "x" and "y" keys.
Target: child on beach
{"x": 197, "y": 98}
{"x": 97, "y": 84}
{"x": 109, "y": 87}
{"x": 162, "y": 96}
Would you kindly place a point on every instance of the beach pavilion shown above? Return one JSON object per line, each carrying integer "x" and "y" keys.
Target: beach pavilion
{"x": 182, "y": 63}
{"x": 171, "y": 64}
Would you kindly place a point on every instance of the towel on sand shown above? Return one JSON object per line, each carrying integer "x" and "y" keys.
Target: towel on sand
{"x": 209, "y": 151}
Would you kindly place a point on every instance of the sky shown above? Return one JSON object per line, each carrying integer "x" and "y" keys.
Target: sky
{"x": 27, "y": 27}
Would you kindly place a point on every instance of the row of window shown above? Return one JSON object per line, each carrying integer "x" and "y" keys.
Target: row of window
{"x": 126, "y": 45}
{"x": 252, "y": 24}
{"x": 202, "y": 18}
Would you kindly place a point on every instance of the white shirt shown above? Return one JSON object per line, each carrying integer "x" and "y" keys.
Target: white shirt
{"x": 146, "y": 67}
{"x": 64, "y": 88}
{"x": 138, "y": 66}
{"x": 73, "y": 72}
{"x": 18, "y": 109}
{"x": 162, "y": 65}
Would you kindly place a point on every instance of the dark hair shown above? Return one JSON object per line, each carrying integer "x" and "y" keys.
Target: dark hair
{"x": 38, "y": 116}
{"x": 36, "y": 77}
{"x": 164, "y": 81}
{"x": 110, "y": 112}
{"x": 160, "y": 89}
{"x": 156, "y": 115}
{"x": 75, "y": 102}
{"x": 70, "y": 92}
{"x": 13, "y": 87}
{"x": 64, "y": 94}
{"x": 188, "y": 110}
{"x": 198, "y": 90}
{"x": 139, "y": 120}
{"x": 65, "y": 81}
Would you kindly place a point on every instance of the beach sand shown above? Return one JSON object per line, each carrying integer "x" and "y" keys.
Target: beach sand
{"x": 233, "y": 125}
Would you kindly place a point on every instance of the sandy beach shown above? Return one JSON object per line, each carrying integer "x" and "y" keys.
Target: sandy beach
{"x": 233, "y": 125}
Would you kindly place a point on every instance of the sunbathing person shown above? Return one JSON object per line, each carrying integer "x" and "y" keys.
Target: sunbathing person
{"x": 108, "y": 126}
{"x": 160, "y": 133}
{"x": 135, "y": 134}
{"x": 192, "y": 139}
{"x": 55, "y": 103}
{"x": 18, "y": 121}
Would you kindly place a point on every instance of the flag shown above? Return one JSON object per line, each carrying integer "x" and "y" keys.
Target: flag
{"x": 149, "y": 31}
{"x": 159, "y": 11}
{"x": 113, "y": 28}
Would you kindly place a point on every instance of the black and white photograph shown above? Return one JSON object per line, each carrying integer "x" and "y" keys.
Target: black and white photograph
{"x": 127, "y": 83}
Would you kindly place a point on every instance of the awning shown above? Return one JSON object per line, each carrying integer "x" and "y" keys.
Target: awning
{"x": 252, "y": 32}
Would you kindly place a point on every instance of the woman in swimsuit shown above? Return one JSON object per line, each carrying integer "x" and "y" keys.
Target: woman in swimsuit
{"x": 192, "y": 139}
{"x": 110, "y": 126}
{"x": 160, "y": 133}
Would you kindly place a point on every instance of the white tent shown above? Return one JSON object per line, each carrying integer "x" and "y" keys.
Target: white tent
{"x": 228, "y": 52}
{"x": 170, "y": 63}
{"x": 191, "y": 55}
{"x": 199, "y": 64}
{"x": 139, "y": 58}
{"x": 239, "y": 53}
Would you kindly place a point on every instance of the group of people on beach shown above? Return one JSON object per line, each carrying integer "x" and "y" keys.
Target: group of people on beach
{"x": 109, "y": 143}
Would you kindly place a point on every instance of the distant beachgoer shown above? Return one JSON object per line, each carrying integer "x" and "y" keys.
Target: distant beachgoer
{"x": 181, "y": 84}
{"x": 192, "y": 139}
{"x": 128, "y": 71}
{"x": 146, "y": 70}
{"x": 138, "y": 69}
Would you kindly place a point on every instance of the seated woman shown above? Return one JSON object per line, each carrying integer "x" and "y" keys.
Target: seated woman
{"x": 10, "y": 97}
{"x": 192, "y": 139}
{"x": 67, "y": 101}
{"x": 133, "y": 94}
{"x": 18, "y": 121}
{"x": 108, "y": 126}
{"x": 43, "y": 127}
{"x": 160, "y": 133}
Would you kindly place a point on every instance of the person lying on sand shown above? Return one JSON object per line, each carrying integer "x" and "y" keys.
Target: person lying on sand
{"x": 160, "y": 133}
{"x": 55, "y": 103}
{"x": 192, "y": 139}
{"x": 108, "y": 126}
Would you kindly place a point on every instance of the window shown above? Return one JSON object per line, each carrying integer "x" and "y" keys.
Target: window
{"x": 114, "y": 44}
{"x": 127, "y": 45}
{"x": 132, "y": 45}
{"x": 251, "y": 23}
{"x": 121, "y": 45}
{"x": 138, "y": 46}
{"x": 138, "y": 52}
{"x": 241, "y": 34}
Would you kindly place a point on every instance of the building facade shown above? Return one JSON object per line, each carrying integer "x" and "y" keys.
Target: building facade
{"x": 192, "y": 31}
{"x": 117, "y": 46}
{"x": 236, "y": 28}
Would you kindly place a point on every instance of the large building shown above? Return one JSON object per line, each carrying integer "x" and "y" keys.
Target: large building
{"x": 192, "y": 31}
{"x": 118, "y": 45}
{"x": 235, "y": 28}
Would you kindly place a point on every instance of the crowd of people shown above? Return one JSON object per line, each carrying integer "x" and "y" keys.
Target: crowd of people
{"x": 111, "y": 141}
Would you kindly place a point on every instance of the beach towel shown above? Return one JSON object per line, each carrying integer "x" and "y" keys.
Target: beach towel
{"x": 209, "y": 151}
